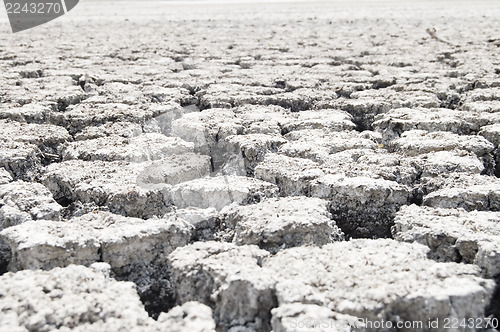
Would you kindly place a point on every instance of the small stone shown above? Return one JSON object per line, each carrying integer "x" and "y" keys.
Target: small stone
{"x": 206, "y": 128}
{"x": 293, "y": 176}
{"x": 240, "y": 154}
{"x": 21, "y": 202}
{"x": 77, "y": 117}
{"x": 137, "y": 149}
{"x": 75, "y": 297}
{"x": 112, "y": 184}
{"x": 453, "y": 235}
{"x": 491, "y": 133}
{"x": 416, "y": 142}
{"x": 124, "y": 243}
{"x": 217, "y": 192}
{"x": 5, "y": 177}
{"x": 279, "y": 223}
{"x": 378, "y": 279}
{"x": 362, "y": 206}
{"x": 191, "y": 316}
{"x": 482, "y": 197}
{"x": 119, "y": 128}
{"x": 227, "y": 278}
{"x": 325, "y": 119}
{"x": 174, "y": 170}
{"x": 318, "y": 144}
{"x": 393, "y": 123}
{"x": 205, "y": 222}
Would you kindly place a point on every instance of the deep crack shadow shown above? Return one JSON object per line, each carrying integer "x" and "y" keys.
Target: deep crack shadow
{"x": 154, "y": 287}
{"x": 155, "y": 304}
{"x": 361, "y": 225}
{"x": 5, "y": 257}
{"x": 493, "y": 308}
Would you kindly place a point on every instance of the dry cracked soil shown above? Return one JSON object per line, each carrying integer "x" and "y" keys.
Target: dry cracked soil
{"x": 329, "y": 166}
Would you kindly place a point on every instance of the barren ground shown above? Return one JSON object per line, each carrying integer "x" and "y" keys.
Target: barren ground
{"x": 252, "y": 167}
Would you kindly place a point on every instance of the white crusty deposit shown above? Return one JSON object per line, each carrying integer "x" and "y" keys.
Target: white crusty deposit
{"x": 386, "y": 278}
{"x": 235, "y": 167}
{"x": 278, "y": 223}
{"x": 453, "y": 234}
{"x": 98, "y": 236}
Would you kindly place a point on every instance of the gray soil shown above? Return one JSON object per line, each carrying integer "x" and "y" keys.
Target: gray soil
{"x": 329, "y": 166}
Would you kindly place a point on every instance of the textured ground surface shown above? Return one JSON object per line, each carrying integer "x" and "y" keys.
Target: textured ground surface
{"x": 284, "y": 167}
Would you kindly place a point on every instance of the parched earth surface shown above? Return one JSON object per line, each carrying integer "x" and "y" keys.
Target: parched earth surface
{"x": 235, "y": 167}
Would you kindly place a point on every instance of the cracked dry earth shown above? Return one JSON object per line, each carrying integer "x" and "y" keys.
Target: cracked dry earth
{"x": 251, "y": 167}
